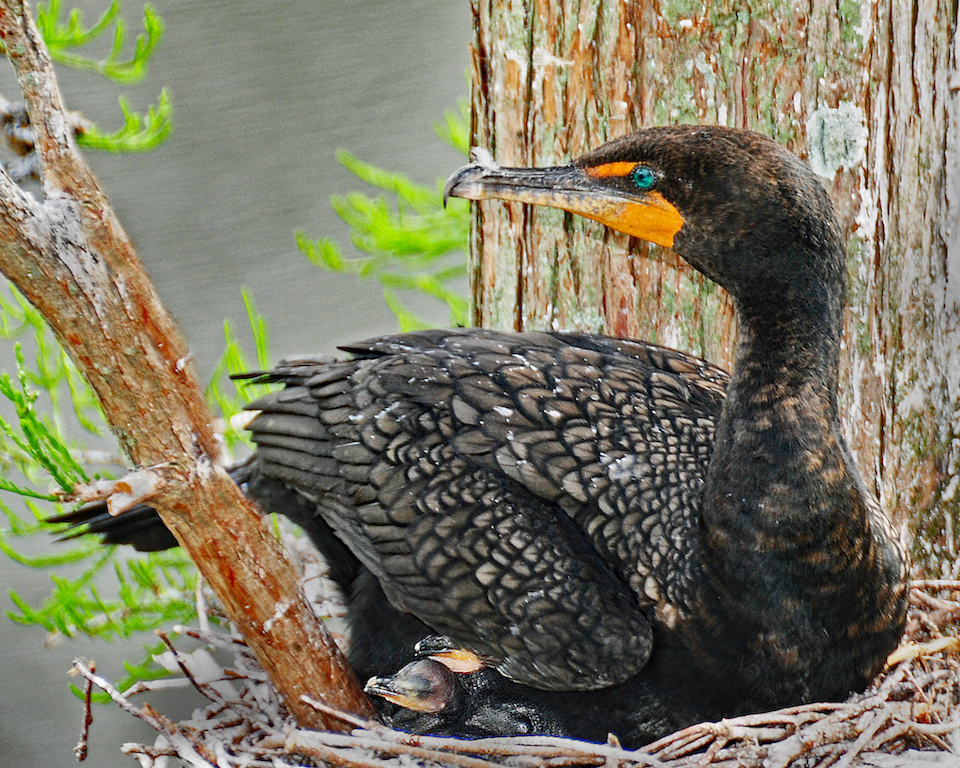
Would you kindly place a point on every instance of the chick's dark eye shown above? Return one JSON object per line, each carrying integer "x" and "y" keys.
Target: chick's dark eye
{"x": 643, "y": 177}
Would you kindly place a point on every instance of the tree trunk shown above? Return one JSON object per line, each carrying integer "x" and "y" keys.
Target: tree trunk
{"x": 878, "y": 122}
{"x": 71, "y": 258}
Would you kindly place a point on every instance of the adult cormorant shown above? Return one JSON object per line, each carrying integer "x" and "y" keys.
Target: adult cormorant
{"x": 633, "y": 540}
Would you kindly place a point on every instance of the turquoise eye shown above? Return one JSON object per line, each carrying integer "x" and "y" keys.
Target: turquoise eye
{"x": 643, "y": 177}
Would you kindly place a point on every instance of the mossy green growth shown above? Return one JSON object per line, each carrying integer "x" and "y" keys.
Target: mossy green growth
{"x": 849, "y": 13}
{"x": 673, "y": 11}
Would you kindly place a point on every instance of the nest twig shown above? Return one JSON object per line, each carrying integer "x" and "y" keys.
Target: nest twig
{"x": 913, "y": 706}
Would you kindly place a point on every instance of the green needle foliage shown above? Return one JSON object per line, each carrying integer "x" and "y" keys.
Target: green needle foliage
{"x": 138, "y": 134}
{"x": 32, "y": 444}
{"x": 150, "y": 590}
{"x": 229, "y": 397}
{"x": 35, "y": 438}
{"x": 94, "y": 592}
{"x": 64, "y": 37}
{"x": 413, "y": 242}
{"x": 51, "y": 367}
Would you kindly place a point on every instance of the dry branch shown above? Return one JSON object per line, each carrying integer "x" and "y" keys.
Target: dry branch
{"x": 70, "y": 257}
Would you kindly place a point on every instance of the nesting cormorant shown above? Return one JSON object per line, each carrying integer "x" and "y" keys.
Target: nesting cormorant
{"x": 634, "y": 540}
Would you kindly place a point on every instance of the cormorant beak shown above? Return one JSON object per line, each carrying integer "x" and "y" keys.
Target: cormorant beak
{"x": 588, "y": 191}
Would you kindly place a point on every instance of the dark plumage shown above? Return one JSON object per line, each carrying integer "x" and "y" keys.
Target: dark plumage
{"x": 633, "y": 538}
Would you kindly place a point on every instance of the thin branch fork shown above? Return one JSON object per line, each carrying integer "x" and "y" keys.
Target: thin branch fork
{"x": 71, "y": 258}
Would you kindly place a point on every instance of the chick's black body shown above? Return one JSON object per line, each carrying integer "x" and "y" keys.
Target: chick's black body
{"x": 634, "y": 540}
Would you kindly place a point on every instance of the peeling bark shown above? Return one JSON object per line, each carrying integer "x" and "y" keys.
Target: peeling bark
{"x": 554, "y": 78}
{"x": 71, "y": 258}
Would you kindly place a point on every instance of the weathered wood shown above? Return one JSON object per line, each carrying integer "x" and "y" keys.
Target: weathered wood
{"x": 71, "y": 258}
{"x": 554, "y": 78}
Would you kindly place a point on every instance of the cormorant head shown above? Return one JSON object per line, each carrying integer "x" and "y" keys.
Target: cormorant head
{"x": 736, "y": 205}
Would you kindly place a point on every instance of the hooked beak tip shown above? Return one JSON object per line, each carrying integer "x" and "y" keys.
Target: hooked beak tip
{"x": 460, "y": 183}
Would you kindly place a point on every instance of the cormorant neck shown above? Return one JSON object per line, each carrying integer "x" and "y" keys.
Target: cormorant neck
{"x": 780, "y": 467}
{"x": 785, "y": 515}
{"x": 787, "y": 357}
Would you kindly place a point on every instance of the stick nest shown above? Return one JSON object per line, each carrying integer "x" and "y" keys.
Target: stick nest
{"x": 909, "y": 717}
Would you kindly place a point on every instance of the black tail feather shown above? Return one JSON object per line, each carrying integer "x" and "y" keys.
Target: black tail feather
{"x": 139, "y": 526}
{"x": 143, "y": 529}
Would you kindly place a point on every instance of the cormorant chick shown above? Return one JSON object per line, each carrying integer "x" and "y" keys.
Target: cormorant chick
{"x": 427, "y": 697}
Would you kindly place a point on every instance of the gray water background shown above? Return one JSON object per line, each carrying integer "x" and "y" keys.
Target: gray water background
{"x": 264, "y": 94}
